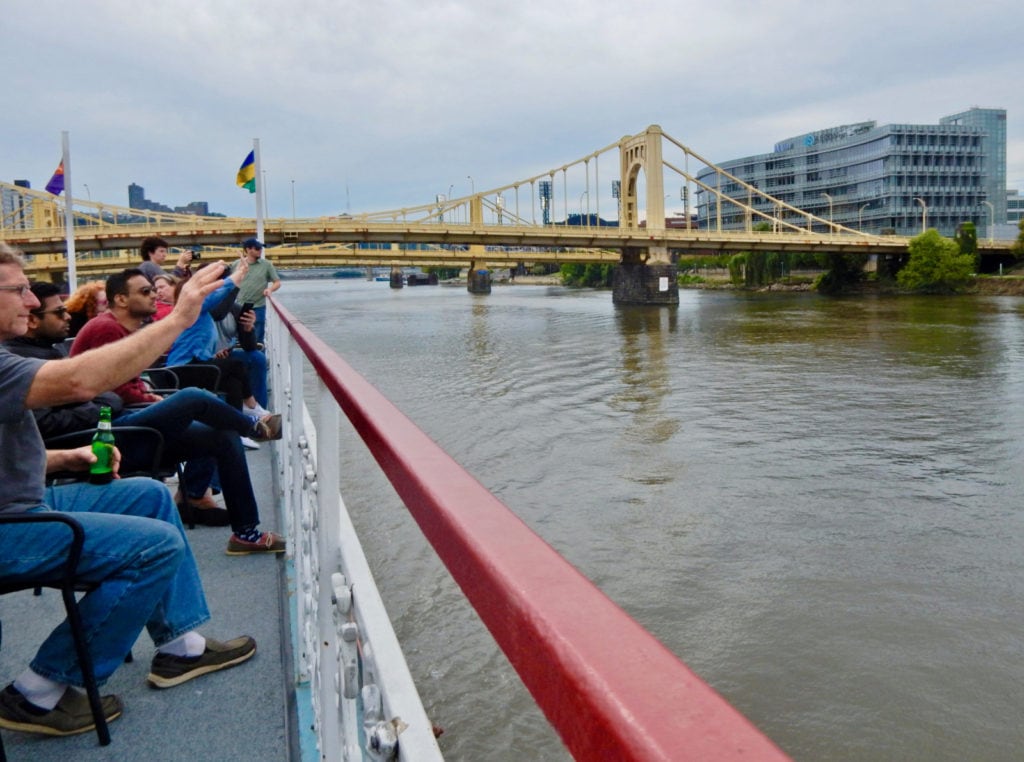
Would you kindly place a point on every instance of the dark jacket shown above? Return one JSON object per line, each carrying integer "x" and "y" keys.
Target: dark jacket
{"x": 63, "y": 419}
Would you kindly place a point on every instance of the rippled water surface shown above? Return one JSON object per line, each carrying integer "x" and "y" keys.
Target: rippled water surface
{"x": 815, "y": 503}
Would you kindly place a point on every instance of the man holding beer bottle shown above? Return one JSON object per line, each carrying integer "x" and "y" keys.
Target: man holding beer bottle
{"x": 143, "y": 570}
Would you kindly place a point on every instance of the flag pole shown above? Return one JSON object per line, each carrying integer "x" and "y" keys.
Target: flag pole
{"x": 259, "y": 189}
{"x": 69, "y": 212}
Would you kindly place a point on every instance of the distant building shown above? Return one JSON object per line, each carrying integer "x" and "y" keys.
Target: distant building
{"x": 1014, "y": 207}
{"x": 136, "y": 197}
{"x": 880, "y": 179}
{"x": 137, "y": 200}
{"x": 16, "y": 213}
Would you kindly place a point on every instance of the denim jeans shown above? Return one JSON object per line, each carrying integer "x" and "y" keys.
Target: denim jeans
{"x": 202, "y": 429}
{"x": 256, "y": 363}
{"x": 146, "y": 572}
{"x": 261, "y": 323}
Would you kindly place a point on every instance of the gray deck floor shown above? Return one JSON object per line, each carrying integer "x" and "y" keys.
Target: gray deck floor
{"x": 238, "y": 714}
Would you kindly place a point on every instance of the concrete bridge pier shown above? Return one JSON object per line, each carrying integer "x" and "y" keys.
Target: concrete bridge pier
{"x": 478, "y": 281}
{"x": 637, "y": 280}
{"x": 397, "y": 278}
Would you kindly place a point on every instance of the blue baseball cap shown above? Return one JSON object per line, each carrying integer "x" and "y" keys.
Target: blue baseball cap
{"x": 252, "y": 243}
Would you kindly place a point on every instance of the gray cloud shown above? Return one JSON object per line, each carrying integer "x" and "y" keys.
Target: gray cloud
{"x": 374, "y": 106}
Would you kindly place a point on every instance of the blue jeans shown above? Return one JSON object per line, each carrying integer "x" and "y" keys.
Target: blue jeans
{"x": 256, "y": 363}
{"x": 202, "y": 429}
{"x": 146, "y": 573}
{"x": 261, "y": 323}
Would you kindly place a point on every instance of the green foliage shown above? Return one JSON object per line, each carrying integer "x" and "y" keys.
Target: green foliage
{"x": 737, "y": 266}
{"x": 443, "y": 273}
{"x": 1018, "y": 248}
{"x": 935, "y": 266}
{"x": 844, "y": 272}
{"x": 967, "y": 239}
{"x": 589, "y": 275}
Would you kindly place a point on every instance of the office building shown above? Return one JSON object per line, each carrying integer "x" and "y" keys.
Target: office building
{"x": 895, "y": 178}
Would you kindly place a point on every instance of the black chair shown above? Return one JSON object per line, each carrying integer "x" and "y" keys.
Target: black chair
{"x": 134, "y": 439}
{"x": 64, "y": 579}
{"x": 197, "y": 374}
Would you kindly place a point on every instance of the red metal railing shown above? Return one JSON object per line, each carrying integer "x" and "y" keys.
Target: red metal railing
{"x": 610, "y": 689}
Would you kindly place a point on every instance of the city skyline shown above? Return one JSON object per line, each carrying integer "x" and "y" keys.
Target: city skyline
{"x": 371, "y": 108}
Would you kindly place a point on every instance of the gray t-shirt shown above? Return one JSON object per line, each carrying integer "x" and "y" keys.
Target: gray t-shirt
{"x": 22, "y": 453}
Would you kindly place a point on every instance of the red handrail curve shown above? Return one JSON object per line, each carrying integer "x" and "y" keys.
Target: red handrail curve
{"x": 609, "y": 688}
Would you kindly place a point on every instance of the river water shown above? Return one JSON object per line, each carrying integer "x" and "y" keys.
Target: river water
{"x": 815, "y": 503}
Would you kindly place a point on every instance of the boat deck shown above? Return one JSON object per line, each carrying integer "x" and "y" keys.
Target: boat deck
{"x": 243, "y": 713}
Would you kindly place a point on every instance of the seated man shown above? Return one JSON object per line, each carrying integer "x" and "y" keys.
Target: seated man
{"x": 195, "y": 423}
{"x": 143, "y": 572}
{"x": 48, "y": 326}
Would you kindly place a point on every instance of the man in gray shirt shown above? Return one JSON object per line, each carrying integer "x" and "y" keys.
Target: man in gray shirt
{"x": 135, "y": 551}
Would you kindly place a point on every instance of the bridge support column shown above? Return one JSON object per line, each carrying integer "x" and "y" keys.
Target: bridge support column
{"x": 478, "y": 281}
{"x": 634, "y": 281}
{"x": 397, "y": 278}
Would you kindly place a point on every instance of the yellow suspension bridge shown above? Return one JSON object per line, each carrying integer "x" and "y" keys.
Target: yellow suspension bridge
{"x": 497, "y": 227}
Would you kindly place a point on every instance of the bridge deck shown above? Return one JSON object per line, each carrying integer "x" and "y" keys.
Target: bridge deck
{"x": 238, "y": 714}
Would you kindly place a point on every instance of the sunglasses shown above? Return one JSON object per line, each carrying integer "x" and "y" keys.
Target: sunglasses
{"x": 58, "y": 311}
{"x": 146, "y": 290}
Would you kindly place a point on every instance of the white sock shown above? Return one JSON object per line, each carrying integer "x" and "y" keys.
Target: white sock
{"x": 189, "y": 644}
{"x": 39, "y": 690}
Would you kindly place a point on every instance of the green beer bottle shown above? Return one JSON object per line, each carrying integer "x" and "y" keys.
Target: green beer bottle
{"x": 102, "y": 471}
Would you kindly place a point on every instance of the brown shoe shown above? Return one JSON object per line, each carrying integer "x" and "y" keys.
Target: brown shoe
{"x": 200, "y": 510}
{"x": 266, "y": 428}
{"x": 71, "y": 715}
{"x": 267, "y": 543}
{"x": 168, "y": 671}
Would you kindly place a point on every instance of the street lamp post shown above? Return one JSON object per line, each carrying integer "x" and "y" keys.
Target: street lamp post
{"x": 924, "y": 213}
{"x": 860, "y": 216}
{"x": 587, "y": 194}
{"x": 87, "y": 191}
{"x": 991, "y": 220}
{"x": 293, "y": 200}
{"x": 830, "y": 223}
{"x": 472, "y": 186}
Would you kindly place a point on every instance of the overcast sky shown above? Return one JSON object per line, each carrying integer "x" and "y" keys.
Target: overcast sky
{"x": 376, "y": 105}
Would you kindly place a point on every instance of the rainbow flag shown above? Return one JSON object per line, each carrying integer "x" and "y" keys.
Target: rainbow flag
{"x": 247, "y": 173}
{"x": 56, "y": 184}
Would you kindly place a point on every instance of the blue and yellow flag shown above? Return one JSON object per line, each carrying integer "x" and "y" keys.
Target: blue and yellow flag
{"x": 247, "y": 173}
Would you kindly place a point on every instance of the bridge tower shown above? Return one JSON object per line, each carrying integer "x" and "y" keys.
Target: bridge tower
{"x": 645, "y": 275}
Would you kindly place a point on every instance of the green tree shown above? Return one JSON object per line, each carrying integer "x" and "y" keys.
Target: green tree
{"x": 967, "y": 239}
{"x": 844, "y": 272}
{"x": 590, "y": 275}
{"x": 1018, "y": 248}
{"x": 935, "y": 265}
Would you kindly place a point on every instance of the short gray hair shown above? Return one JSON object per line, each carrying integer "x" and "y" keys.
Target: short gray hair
{"x": 11, "y": 256}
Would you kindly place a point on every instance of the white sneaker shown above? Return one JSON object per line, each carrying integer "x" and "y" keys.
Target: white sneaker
{"x": 258, "y": 411}
{"x": 249, "y": 444}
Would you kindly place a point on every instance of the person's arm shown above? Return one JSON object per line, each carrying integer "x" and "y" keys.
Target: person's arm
{"x": 227, "y": 300}
{"x": 84, "y": 376}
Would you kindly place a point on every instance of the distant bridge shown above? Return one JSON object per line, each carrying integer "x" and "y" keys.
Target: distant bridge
{"x": 499, "y": 225}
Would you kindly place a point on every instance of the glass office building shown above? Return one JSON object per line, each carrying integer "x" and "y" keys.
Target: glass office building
{"x": 895, "y": 178}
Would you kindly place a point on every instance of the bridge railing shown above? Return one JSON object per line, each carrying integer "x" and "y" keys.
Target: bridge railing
{"x": 609, "y": 688}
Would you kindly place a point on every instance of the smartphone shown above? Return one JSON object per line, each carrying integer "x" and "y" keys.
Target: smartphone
{"x": 247, "y": 307}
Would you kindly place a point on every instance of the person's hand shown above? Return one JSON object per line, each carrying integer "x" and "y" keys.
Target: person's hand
{"x": 190, "y": 301}
{"x": 222, "y": 354}
{"x": 241, "y": 270}
{"x": 268, "y": 291}
{"x": 184, "y": 259}
{"x": 247, "y": 321}
{"x": 81, "y": 458}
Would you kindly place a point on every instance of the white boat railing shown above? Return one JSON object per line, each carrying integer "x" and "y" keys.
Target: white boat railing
{"x": 355, "y": 697}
